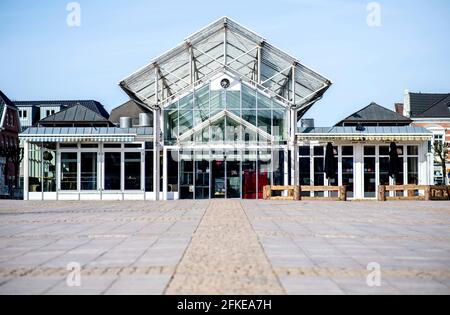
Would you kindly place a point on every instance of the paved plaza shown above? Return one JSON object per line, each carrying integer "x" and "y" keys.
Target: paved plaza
{"x": 224, "y": 247}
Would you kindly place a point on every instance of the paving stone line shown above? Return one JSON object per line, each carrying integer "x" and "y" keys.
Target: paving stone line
{"x": 86, "y": 271}
{"x": 224, "y": 257}
{"x": 359, "y": 273}
{"x": 353, "y": 236}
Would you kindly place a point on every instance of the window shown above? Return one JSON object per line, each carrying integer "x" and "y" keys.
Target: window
{"x": 347, "y": 170}
{"x": 23, "y": 114}
{"x": 413, "y": 165}
{"x": 369, "y": 172}
{"x": 49, "y": 112}
{"x": 88, "y": 171}
{"x": 112, "y": 170}
{"x": 132, "y": 171}
{"x": 319, "y": 169}
{"x": 69, "y": 171}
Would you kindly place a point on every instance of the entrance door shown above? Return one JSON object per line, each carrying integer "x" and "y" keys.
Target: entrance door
{"x": 233, "y": 179}
{"x": 218, "y": 179}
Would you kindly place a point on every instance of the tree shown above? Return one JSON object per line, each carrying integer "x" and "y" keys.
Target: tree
{"x": 441, "y": 150}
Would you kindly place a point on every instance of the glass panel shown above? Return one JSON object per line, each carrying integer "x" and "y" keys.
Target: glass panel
{"x": 35, "y": 169}
{"x": 202, "y": 173}
{"x": 69, "y": 171}
{"x": 305, "y": 151}
{"x": 347, "y": 175}
{"x": 249, "y": 135}
{"x": 305, "y": 171}
{"x": 369, "y": 177}
{"x": 201, "y": 105}
{"x": 112, "y": 170}
{"x": 218, "y": 131}
{"x": 413, "y": 150}
{"x": 264, "y": 102}
{"x": 413, "y": 170}
{"x": 171, "y": 124}
{"x": 399, "y": 180}
{"x": 249, "y": 175}
{"x": 218, "y": 179}
{"x": 233, "y": 131}
{"x": 319, "y": 151}
{"x": 278, "y": 165}
{"x": 186, "y": 121}
{"x": 186, "y": 175}
{"x": 217, "y": 102}
{"x": 319, "y": 174}
{"x": 384, "y": 150}
{"x": 132, "y": 171}
{"x": 112, "y": 146}
{"x": 68, "y": 145}
{"x": 233, "y": 179}
{"x": 89, "y": 146}
{"x": 369, "y": 150}
{"x": 233, "y": 99}
{"x": 172, "y": 171}
{"x": 264, "y": 171}
{"x": 88, "y": 171}
{"x": 248, "y": 98}
{"x": 384, "y": 171}
{"x": 49, "y": 157}
{"x": 187, "y": 103}
{"x": 149, "y": 171}
{"x": 202, "y": 136}
{"x": 278, "y": 129}
{"x": 249, "y": 116}
{"x": 265, "y": 120}
{"x": 347, "y": 150}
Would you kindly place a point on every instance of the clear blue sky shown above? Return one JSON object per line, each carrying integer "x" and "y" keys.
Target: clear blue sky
{"x": 42, "y": 58}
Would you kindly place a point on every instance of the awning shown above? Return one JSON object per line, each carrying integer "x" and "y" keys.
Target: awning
{"x": 79, "y": 138}
{"x": 86, "y": 134}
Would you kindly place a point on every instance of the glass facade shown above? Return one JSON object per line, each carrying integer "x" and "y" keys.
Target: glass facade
{"x": 248, "y": 104}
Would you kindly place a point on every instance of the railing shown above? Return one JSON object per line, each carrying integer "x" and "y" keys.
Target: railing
{"x": 295, "y": 192}
{"x": 413, "y": 192}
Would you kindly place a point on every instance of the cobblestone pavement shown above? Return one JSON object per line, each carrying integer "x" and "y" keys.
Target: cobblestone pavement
{"x": 224, "y": 247}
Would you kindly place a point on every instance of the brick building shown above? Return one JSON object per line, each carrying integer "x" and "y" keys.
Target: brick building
{"x": 432, "y": 111}
{"x": 9, "y": 146}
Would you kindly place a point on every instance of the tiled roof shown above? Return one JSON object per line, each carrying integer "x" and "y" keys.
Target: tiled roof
{"x": 375, "y": 113}
{"x": 77, "y": 113}
{"x": 429, "y": 105}
{"x": 91, "y": 104}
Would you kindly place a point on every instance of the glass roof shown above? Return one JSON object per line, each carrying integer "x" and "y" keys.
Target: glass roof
{"x": 226, "y": 46}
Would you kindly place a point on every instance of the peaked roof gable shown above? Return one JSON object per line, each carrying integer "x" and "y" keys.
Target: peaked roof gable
{"x": 376, "y": 113}
{"x": 225, "y": 113}
{"x": 226, "y": 46}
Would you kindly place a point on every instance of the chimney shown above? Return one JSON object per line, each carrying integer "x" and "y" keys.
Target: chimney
{"x": 399, "y": 107}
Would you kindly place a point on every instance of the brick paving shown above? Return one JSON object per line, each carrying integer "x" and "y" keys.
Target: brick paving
{"x": 224, "y": 247}
{"x": 225, "y": 257}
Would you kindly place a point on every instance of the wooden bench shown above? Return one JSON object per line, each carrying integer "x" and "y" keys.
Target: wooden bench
{"x": 410, "y": 189}
{"x": 341, "y": 190}
{"x": 294, "y": 192}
